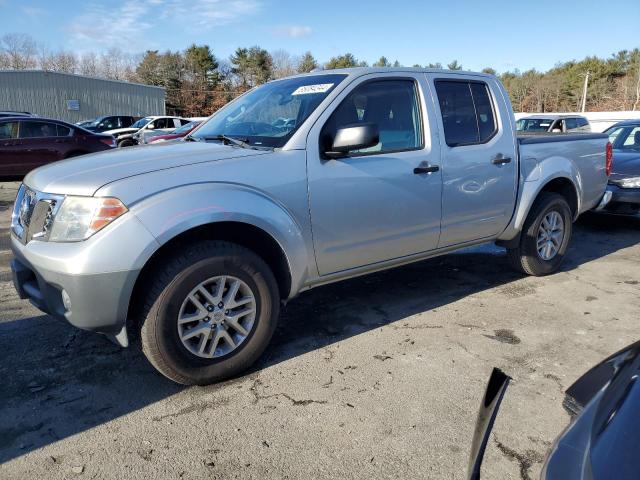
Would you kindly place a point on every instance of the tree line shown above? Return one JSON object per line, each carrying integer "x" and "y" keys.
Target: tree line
{"x": 198, "y": 83}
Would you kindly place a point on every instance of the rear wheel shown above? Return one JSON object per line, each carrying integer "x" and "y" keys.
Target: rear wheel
{"x": 210, "y": 313}
{"x": 545, "y": 236}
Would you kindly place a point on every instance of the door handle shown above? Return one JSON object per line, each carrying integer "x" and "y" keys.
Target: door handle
{"x": 500, "y": 159}
{"x": 426, "y": 169}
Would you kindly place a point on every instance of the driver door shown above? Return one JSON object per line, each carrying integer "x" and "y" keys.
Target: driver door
{"x": 372, "y": 205}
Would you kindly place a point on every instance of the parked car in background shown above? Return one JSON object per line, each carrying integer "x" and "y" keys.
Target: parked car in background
{"x": 624, "y": 182}
{"x": 382, "y": 167}
{"x": 111, "y": 122}
{"x": 127, "y": 137}
{"x": 176, "y": 134}
{"x": 552, "y": 124}
{"x": 10, "y": 113}
{"x": 27, "y": 143}
{"x": 601, "y": 442}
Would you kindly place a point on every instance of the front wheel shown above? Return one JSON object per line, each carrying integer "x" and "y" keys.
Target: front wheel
{"x": 210, "y": 313}
{"x": 126, "y": 143}
{"x": 545, "y": 236}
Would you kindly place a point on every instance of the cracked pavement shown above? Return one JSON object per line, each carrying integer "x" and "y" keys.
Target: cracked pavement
{"x": 375, "y": 377}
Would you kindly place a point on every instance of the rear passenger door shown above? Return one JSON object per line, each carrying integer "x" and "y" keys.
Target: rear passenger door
{"x": 37, "y": 144}
{"x": 479, "y": 163}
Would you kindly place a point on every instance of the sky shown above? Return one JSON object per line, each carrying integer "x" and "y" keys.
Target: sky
{"x": 503, "y": 34}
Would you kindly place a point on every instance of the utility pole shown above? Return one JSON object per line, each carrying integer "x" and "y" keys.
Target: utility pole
{"x": 584, "y": 91}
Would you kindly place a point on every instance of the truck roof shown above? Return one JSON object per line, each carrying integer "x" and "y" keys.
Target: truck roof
{"x": 551, "y": 116}
{"x": 359, "y": 71}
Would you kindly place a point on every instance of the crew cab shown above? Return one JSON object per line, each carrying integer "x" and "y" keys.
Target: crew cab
{"x": 195, "y": 245}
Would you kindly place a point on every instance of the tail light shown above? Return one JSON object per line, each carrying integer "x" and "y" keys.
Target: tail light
{"x": 110, "y": 141}
{"x": 608, "y": 164}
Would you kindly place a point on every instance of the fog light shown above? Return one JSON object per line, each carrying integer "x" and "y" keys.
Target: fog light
{"x": 66, "y": 301}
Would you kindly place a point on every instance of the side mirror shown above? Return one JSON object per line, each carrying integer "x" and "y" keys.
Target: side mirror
{"x": 354, "y": 137}
{"x": 150, "y": 126}
{"x": 556, "y": 130}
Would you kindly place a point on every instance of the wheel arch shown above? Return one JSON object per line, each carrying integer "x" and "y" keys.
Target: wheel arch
{"x": 562, "y": 185}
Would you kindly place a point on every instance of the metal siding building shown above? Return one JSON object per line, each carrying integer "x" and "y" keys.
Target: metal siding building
{"x": 74, "y": 98}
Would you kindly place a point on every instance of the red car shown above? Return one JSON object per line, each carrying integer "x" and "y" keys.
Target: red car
{"x": 183, "y": 131}
{"x": 27, "y": 143}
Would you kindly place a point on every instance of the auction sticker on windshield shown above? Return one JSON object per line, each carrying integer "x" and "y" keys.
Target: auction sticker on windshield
{"x": 307, "y": 89}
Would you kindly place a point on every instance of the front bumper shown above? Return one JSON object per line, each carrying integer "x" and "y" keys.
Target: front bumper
{"x": 91, "y": 302}
{"x": 89, "y": 283}
{"x": 623, "y": 200}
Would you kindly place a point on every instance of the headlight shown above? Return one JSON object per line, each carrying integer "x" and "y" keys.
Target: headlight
{"x": 631, "y": 182}
{"x": 80, "y": 217}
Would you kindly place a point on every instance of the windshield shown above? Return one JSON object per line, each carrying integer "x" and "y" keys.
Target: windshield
{"x": 533, "y": 124}
{"x": 141, "y": 123}
{"x": 269, "y": 115}
{"x": 186, "y": 128}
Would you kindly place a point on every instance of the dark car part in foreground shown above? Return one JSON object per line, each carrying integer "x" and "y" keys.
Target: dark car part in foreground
{"x": 27, "y": 143}
{"x": 624, "y": 183}
{"x": 602, "y": 440}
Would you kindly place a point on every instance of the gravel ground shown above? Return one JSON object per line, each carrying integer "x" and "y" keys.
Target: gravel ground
{"x": 376, "y": 377}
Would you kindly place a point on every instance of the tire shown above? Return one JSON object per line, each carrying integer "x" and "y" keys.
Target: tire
{"x": 526, "y": 257}
{"x": 170, "y": 289}
{"x": 126, "y": 143}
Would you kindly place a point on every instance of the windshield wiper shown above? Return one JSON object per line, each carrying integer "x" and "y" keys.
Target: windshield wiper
{"x": 189, "y": 138}
{"x": 226, "y": 139}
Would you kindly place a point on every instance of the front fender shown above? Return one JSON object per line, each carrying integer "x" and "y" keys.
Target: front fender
{"x": 536, "y": 175}
{"x": 174, "y": 211}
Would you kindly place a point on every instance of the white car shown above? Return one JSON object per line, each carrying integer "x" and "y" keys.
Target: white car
{"x": 127, "y": 137}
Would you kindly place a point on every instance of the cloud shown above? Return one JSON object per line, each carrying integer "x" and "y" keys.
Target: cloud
{"x": 127, "y": 26}
{"x": 121, "y": 27}
{"x": 293, "y": 31}
{"x": 206, "y": 14}
{"x": 32, "y": 11}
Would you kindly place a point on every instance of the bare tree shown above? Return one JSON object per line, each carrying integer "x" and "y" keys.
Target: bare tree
{"x": 89, "y": 65}
{"x": 284, "y": 64}
{"x": 19, "y": 51}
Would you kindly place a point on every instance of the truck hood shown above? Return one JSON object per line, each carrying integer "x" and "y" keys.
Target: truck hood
{"x": 86, "y": 174}
{"x": 121, "y": 131}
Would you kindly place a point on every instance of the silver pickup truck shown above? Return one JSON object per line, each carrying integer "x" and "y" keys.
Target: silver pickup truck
{"x": 193, "y": 246}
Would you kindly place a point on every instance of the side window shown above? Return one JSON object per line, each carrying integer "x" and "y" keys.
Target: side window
{"x": 391, "y": 104}
{"x": 8, "y": 130}
{"x": 484, "y": 111}
{"x": 633, "y": 139}
{"x": 162, "y": 123}
{"x": 582, "y": 122}
{"x": 109, "y": 123}
{"x": 37, "y": 130}
{"x": 63, "y": 131}
{"x": 571, "y": 123}
{"x": 467, "y": 112}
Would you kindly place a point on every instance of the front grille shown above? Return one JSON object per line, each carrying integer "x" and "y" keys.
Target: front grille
{"x": 33, "y": 214}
